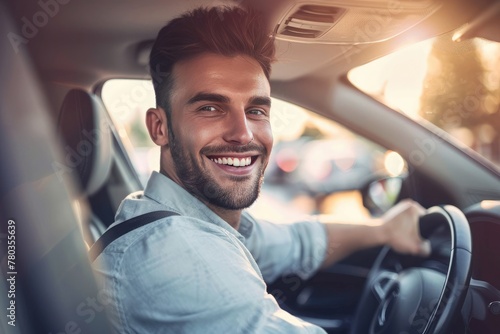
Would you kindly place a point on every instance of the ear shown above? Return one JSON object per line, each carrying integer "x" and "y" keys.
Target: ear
{"x": 156, "y": 122}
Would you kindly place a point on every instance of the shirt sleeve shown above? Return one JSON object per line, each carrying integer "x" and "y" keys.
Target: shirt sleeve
{"x": 188, "y": 280}
{"x": 280, "y": 249}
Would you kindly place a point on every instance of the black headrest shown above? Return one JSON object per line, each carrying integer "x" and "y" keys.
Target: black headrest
{"x": 87, "y": 136}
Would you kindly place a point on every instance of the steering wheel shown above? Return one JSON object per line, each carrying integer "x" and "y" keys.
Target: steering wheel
{"x": 404, "y": 296}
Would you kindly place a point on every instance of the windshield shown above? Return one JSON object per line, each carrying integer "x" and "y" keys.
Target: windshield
{"x": 454, "y": 86}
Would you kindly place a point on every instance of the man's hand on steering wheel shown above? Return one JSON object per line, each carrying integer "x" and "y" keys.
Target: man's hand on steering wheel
{"x": 401, "y": 224}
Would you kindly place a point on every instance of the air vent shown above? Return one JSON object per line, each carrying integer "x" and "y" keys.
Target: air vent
{"x": 310, "y": 21}
{"x": 350, "y": 22}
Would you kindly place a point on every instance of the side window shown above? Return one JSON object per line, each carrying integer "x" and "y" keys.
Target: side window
{"x": 127, "y": 102}
{"x": 316, "y": 167}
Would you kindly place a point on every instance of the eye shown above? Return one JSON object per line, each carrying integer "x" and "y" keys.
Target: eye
{"x": 208, "y": 108}
{"x": 257, "y": 112}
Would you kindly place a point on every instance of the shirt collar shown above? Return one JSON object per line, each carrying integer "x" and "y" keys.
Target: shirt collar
{"x": 166, "y": 192}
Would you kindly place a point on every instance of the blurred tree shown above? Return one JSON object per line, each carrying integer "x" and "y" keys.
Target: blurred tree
{"x": 461, "y": 94}
{"x": 454, "y": 91}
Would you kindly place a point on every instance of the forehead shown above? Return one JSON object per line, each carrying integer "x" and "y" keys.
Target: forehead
{"x": 237, "y": 76}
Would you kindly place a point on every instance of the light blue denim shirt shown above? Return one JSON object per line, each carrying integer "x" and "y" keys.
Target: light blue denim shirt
{"x": 194, "y": 273}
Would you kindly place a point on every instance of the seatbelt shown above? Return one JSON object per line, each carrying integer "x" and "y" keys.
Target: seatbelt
{"x": 123, "y": 228}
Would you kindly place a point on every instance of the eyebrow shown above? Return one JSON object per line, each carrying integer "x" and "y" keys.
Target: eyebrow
{"x": 212, "y": 97}
{"x": 208, "y": 97}
{"x": 261, "y": 101}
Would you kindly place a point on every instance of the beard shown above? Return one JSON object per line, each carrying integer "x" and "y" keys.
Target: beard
{"x": 198, "y": 181}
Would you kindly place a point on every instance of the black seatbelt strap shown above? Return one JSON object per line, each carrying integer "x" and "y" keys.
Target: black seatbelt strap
{"x": 123, "y": 228}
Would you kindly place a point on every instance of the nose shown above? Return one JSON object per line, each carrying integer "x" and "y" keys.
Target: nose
{"x": 238, "y": 129}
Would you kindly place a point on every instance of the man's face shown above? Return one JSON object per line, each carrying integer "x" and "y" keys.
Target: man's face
{"x": 220, "y": 137}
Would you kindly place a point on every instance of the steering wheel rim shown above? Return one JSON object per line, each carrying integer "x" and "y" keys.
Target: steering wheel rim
{"x": 393, "y": 302}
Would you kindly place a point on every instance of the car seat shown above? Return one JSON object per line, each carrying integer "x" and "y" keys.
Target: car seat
{"x": 85, "y": 130}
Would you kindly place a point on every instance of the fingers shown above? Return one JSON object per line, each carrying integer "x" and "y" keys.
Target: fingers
{"x": 416, "y": 247}
{"x": 405, "y": 228}
{"x": 425, "y": 248}
{"x": 411, "y": 204}
{"x": 420, "y": 209}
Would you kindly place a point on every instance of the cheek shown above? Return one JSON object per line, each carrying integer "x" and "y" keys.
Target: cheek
{"x": 204, "y": 135}
{"x": 264, "y": 134}
{"x": 197, "y": 137}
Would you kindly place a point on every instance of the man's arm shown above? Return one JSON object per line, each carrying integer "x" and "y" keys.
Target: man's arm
{"x": 398, "y": 228}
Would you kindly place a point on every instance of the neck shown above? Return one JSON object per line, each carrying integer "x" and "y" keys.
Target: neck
{"x": 232, "y": 217}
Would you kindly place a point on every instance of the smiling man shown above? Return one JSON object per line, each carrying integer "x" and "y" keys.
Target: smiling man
{"x": 217, "y": 138}
{"x": 203, "y": 269}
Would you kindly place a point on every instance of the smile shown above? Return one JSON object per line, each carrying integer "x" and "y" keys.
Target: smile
{"x": 233, "y": 161}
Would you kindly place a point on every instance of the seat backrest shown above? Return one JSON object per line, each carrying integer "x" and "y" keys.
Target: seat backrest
{"x": 84, "y": 128}
{"x": 50, "y": 270}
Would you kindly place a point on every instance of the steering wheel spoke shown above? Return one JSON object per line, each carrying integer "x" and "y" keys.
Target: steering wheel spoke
{"x": 382, "y": 284}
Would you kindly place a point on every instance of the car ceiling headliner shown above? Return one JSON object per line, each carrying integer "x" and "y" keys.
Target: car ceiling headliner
{"x": 88, "y": 41}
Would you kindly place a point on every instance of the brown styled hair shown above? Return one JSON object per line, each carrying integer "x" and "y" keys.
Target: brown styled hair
{"x": 227, "y": 31}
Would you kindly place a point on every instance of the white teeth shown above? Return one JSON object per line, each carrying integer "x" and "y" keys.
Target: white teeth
{"x": 233, "y": 161}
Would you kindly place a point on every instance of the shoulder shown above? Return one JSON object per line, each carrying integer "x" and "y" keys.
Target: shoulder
{"x": 175, "y": 233}
{"x": 180, "y": 260}
{"x": 177, "y": 242}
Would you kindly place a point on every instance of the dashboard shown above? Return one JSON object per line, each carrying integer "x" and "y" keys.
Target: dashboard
{"x": 481, "y": 310}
